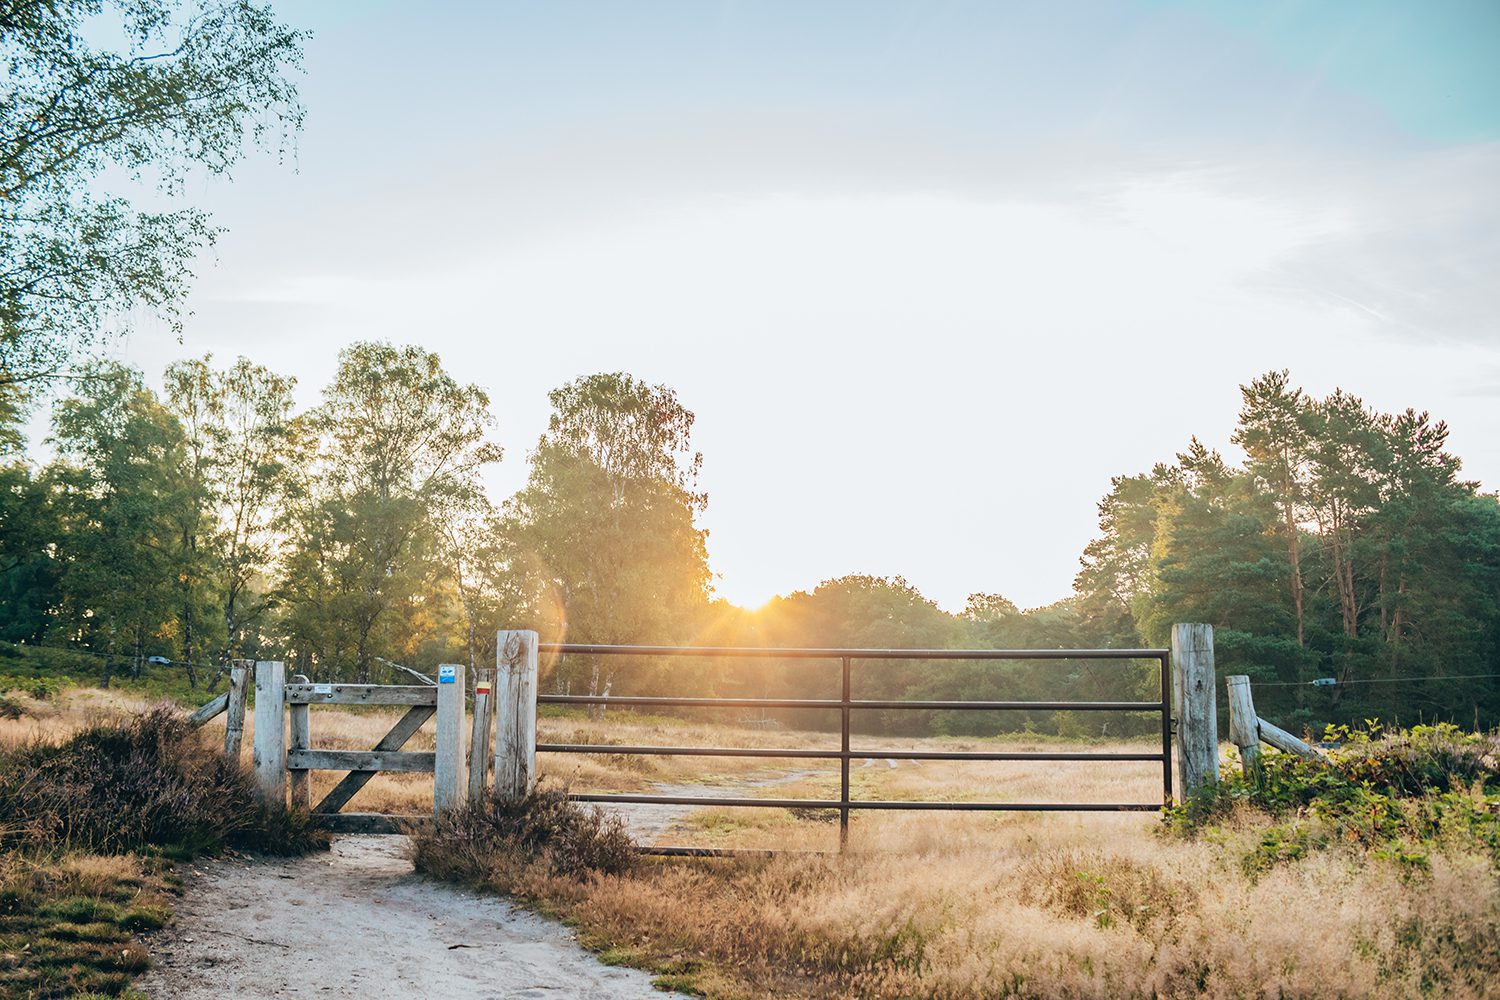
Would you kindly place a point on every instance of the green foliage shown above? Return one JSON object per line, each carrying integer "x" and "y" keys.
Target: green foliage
{"x": 1399, "y": 795}
{"x": 120, "y": 494}
{"x": 167, "y": 92}
{"x": 44, "y": 672}
{"x": 393, "y": 459}
{"x": 238, "y": 436}
{"x": 1346, "y": 546}
{"x": 602, "y": 540}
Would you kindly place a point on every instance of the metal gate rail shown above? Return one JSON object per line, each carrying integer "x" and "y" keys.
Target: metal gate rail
{"x": 846, "y": 706}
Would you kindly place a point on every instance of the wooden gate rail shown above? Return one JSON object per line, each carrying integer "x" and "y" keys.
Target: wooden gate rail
{"x": 361, "y": 694}
{"x": 278, "y": 762}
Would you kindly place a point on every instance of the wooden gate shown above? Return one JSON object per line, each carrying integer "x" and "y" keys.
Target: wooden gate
{"x": 284, "y": 756}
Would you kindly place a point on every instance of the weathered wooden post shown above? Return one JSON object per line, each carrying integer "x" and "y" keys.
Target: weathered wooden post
{"x": 515, "y": 713}
{"x": 301, "y": 739}
{"x": 1244, "y": 726}
{"x": 268, "y": 752}
{"x": 479, "y": 740}
{"x": 448, "y": 766}
{"x": 240, "y": 674}
{"x": 1194, "y": 707}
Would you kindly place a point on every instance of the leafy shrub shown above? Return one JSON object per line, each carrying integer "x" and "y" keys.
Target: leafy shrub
{"x": 1419, "y": 760}
{"x": 493, "y": 842}
{"x": 152, "y": 782}
{"x": 1396, "y": 794}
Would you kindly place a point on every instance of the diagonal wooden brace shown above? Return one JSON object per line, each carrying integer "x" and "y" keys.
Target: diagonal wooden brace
{"x": 352, "y": 782}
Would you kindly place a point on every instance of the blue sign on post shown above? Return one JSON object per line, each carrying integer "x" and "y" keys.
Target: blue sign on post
{"x": 446, "y": 673}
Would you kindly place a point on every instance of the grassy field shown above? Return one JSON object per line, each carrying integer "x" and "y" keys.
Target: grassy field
{"x": 1025, "y": 904}
{"x": 1244, "y": 901}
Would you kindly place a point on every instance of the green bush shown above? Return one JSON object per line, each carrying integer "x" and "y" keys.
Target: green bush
{"x": 1398, "y": 794}
{"x": 1419, "y": 760}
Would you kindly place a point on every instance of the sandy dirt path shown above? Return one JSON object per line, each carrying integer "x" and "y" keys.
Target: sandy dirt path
{"x": 358, "y": 922}
{"x": 651, "y": 822}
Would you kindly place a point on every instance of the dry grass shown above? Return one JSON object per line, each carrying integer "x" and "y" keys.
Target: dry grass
{"x": 1045, "y": 907}
{"x": 1009, "y": 904}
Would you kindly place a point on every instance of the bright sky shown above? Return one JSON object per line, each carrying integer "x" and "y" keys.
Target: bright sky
{"x": 928, "y": 272}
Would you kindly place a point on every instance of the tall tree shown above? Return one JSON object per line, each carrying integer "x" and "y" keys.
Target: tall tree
{"x": 1274, "y": 434}
{"x": 604, "y": 530}
{"x": 151, "y": 92}
{"x": 29, "y": 528}
{"x": 240, "y": 437}
{"x": 396, "y": 451}
{"x": 119, "y": 484}
{"x": 1347, "y": 545}
{"x": 1347, "y": 452}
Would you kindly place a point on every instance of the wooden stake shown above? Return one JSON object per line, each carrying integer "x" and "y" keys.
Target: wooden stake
{"x": 240, "y": 674}
{"x": 479, "y": 740}
{"x": 301, "y": 740}
{"x": 1244, "y": 726}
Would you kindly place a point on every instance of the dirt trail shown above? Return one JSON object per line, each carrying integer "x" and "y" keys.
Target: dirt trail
{"x": 649, "y": 821}
{"x": 358, "y": 922}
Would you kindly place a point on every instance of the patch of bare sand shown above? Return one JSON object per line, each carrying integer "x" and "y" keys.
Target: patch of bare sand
{"x": 357, "y": 922}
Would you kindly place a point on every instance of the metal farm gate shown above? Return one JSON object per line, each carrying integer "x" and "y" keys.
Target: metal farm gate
{"x": 846, "y": 705}
{"x": 505, "y": 704}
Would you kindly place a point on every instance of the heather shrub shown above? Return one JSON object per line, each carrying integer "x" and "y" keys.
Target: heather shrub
{"x": 496, "y": 842}
{"x": 151, "y": 782}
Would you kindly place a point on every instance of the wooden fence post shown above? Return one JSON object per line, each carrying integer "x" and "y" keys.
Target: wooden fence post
{"x": 1244, "y": 726}
{"x": 240, "y": 674}
{"x": 1194, "y": 706}
{"x": 515, "y": 713}
{"x": 448, "y": 766}
{"x": 479, "y": 740}
{"x": 301, "y": 726}
{"x": 268, "y": 752}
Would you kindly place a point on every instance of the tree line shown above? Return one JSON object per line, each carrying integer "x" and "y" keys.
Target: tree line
{"x": 211, "y": 520}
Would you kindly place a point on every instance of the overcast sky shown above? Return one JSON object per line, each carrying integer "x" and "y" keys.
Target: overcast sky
{"x": 929, "y": 273}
